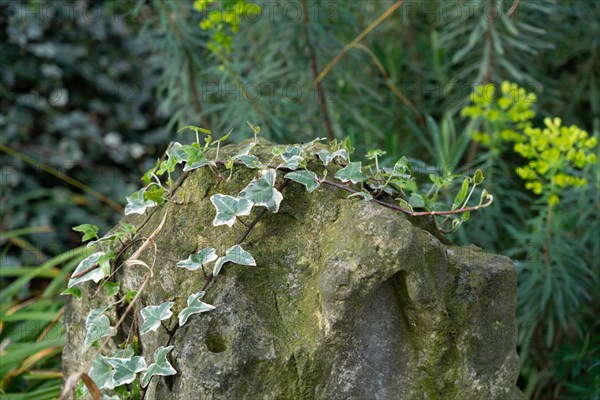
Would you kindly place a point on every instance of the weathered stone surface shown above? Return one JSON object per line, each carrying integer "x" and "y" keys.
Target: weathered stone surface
{"x": 349, "y": 300}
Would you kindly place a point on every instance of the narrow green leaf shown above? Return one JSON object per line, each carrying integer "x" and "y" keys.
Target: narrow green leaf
{"x": 461, "y": 195}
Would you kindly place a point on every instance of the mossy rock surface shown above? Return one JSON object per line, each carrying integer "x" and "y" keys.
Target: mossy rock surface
{"x": 349, "y": 300}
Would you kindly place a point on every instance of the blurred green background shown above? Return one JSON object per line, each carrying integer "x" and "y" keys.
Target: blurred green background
{"x": 92, "y": 92}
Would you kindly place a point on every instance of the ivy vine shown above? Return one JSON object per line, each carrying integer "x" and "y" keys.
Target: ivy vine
{"x": 129, "y": 374}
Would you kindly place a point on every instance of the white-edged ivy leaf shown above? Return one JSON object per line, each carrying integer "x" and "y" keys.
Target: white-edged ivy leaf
{"x": 402, "y": 168}
{"x": 306, "y": 178}
{"x": 326, "y": 156}
{"x": 461, "y": 195}
{"x": 112, "y": 288}
{"x": 365, "y": 195}
{"x": 262, "y": 192}
{"x": 94, "y": 274}
{"x": 250, "y": 161}
{"x": 137, "y": 204}
{"x": 152, "y": 316}
{"x": 195, "y": 157}
{"x": 351, "y": 172}
{"x": 160, "y": 366}
{"x": 89, "y": 231}
{"x": 313, "y": 142}
{"x": 196, "y": 261}
{"x": 228, "y": 208}
{"x": 290, "y": 152}
{"x": 72, "y": 291}
{"x": 97, "y": 326}
{"x": 194, "y": 306}
{"x": 177, "y": 153}
{"x": 292, "y": 163}
{"x": 236, "y": 255}
{"x": 126, "y": 368}
{"x": 101, "y": 373}
{"x": 246, "y": 150}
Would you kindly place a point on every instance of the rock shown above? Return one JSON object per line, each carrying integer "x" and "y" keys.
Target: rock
{"x": 349, "y": 300}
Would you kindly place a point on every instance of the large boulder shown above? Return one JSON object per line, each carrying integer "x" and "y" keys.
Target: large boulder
{"x": 349, "y": 300}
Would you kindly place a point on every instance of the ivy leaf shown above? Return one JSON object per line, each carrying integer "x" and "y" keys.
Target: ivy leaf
{"x": 137, "y": 204}
{"x": 160, "y": 366}
{"x": 101, "y": 373}
{"x": 152, "y": 316}
{"x": 307, "y": 178}
{"x": 262, "y": 192}
{"x": 292, "y": 163}
{"x": 251, "y": 161}
{"x": 126, "y": 368}
{"x": 416, "y": 201}
{"x": 195, "y": 157}
{"x": 326, "y": 157}
{"x": 404, "y": 204}
{"x": 154, "y": 192}
{"x": 177, "y": 153}
{"x": 194, "y": 306}
{"x": 74, "y": 291}
{"x": 402, "y": 168}
{"x": 97, "y": 326}
{"x": 95, "y": 274}
{"x": 89, "y": 231}
{"x": 247, "y": 159}
{"x": 236, "y": 255}
{"x": 196, "y": 261}
{"x": 290, "y": 152}
{"x": 352, "y": 172}
{"x": 371, "y": 154}
{"x": 365, "y": 195}
{"x": 112, "y": 288}
{"x": 228, "y": 208}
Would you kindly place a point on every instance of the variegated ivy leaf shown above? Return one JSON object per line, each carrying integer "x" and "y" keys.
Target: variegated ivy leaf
{"x": 292, "y": 163}
{"x": 97, "y": 326}
{"x": 261, "y": 191}
{"x": 194, "y": 306}
{"x": 307, "y": 178}
{"x": 250, "y": 161}
{"x": 365, "y": 196}
{"x": 327, "y": 156}
{"x": 236, "y": 255}
{"x": 351, "y": 172}
{"x": 152, "y": 316}
{"x": 195, "y": 157}
{"x": 126, "y": 368}
{"x": 94, "y": 274}
{"x": 177, "y": 153}
{"x": 137, "y": 203}
{"x": 247, "y": 159}
{"x": 228, "y": 208}
{"x": 101, "y": 373}
{"x": 291, "y": 151}
{"x": 196, "y": 261}
{"x": 160, "y": 366}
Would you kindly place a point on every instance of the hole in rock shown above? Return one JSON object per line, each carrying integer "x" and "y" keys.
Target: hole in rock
{"x": 215, "y": 343}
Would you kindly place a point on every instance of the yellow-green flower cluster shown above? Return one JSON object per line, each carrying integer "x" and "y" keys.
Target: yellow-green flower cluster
{"x": 513, "y": 105}
{"x": 223, "y": 21}
{"x": 554, "y": 151}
